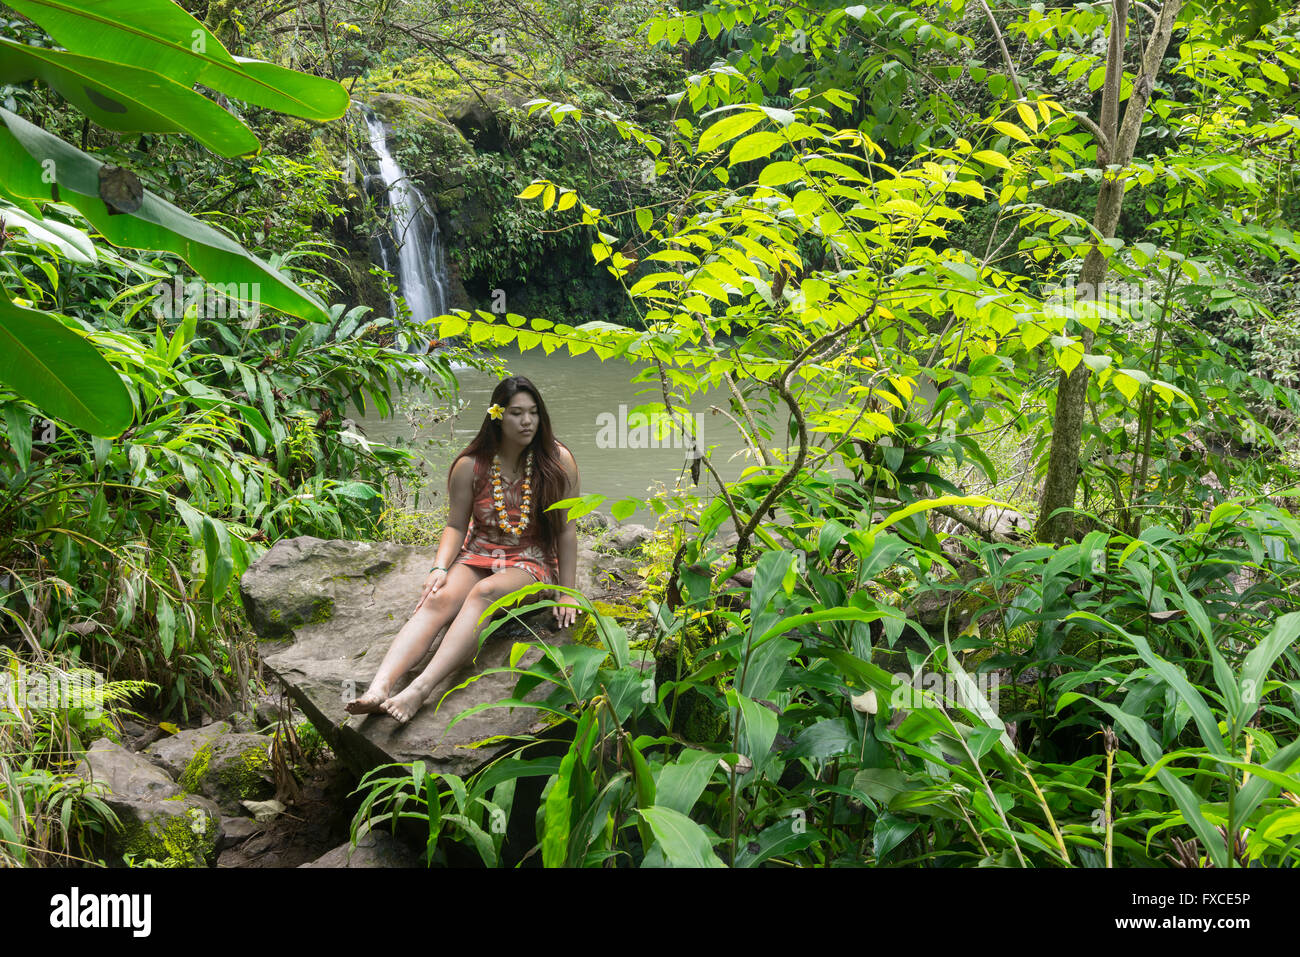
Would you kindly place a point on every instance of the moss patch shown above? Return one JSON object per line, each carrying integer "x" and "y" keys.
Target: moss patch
{"x": 182, "y": 840}
{"x": 586, "y": 631}
{"x": 322, "y": 610}
{"x": 244, "y": 776}
{"x": 191, "y": 779}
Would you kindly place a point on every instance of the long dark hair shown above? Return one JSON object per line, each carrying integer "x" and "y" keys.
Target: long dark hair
{"x": 551, "y": 481}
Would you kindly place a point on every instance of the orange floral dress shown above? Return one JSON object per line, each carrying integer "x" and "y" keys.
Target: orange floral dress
{"x": 488, "y": 545}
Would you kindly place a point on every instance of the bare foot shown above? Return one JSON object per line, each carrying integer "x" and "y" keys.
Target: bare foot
{"x": 403, "y": 706}
{"x": 372, "y": 702}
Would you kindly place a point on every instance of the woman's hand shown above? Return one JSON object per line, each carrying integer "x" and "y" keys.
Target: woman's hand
{"x": 565, "y": 615}
{"x": 437, "y": 578}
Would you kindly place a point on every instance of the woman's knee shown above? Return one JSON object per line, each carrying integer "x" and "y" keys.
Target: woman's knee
{"x": 487, "y": 591}
{"x": 442, "y": 604}
{"x": 499, "y": 585}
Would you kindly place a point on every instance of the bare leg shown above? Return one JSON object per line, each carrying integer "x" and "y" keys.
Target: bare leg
{"x": 460, "y": 643}
{"x": 412, "y": 642}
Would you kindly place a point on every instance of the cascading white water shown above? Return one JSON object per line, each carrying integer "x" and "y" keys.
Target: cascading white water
{"x": 421, "y": 263}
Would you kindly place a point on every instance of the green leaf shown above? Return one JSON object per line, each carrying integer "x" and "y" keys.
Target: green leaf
{"x": 1174, "y": 677}
{"x": 60, "y": 372}
{"x": 968, "y": 501}
{"x": 680, "y": 784}
{"x": 1275, "y": 73}
{"x": 827, "y": 738}
{"x": 727, "y": 128}
{"x": 159, "y": 36}
{"x": 28, "y": 155}
{"x": 18, "y": 425}
{"x": 1187, "y": 800}
{"x": 580, "y": 505}
{"x": 1015, "y": 132}
{"x": 559, "y": 802}
{"x": 127, "y": 99}
{"x": 684, "y": 842}
{"x": 993, "y": 158}
{"x": 760, "y": 726}
{"x": 1254, "y": 670}
{"x": 783, "y": 837}
{"x": 780, "y": 173}
{"x": 754, "y": 146}
{"x": 624, "y": 508}
{"x": 71, "y": 242}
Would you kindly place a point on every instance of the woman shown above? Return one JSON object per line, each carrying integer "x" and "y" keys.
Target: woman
{"x": 502, "y": 538}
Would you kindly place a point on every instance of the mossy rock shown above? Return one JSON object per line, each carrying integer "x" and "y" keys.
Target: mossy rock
{"x": 231, "y": 769}
{"x": 321, "y": 612}
{"x": 586, "y": 632}
{"x": 177, "y": 832}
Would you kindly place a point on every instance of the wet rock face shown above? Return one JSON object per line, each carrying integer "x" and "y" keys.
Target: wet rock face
{"x": 330, "y": 610}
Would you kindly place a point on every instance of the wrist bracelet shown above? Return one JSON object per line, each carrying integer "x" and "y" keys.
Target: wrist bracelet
{"x": 436, "y": 568}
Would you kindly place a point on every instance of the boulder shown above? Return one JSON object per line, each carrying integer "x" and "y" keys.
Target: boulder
{"x": 158, "y": 820}
{"x": 374, "y": 849}
{"x": 245, "y": 722}
{"x": 173, "y": 753}
{"x": 593, "y": 522}
{"x": 627, "y": 538}
{"x": 227, "y": 768}
{"x": 270, "y": 708}
{"x": 328, "y": 611}
{"x": 483, "y": 116}
{"x": 236, "y": 830}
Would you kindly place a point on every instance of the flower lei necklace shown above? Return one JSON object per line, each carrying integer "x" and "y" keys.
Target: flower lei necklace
{"x": 499, "y": 498}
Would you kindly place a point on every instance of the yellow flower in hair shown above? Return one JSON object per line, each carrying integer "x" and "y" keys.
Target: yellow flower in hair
{"x": 497, "y": 411}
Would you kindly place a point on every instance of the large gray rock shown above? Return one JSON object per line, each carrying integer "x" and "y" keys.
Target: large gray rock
{"x": 374, "y": 849}
{"x": 626, "y": 538}
{"x": 174, "y": 753}
{"x": 159, "y": 821}
{"x": 228, "y": 767}
{"x": 335, "y": 606}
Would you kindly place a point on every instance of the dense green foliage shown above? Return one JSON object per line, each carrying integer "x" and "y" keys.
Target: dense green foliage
{"x": 802, "y": 204}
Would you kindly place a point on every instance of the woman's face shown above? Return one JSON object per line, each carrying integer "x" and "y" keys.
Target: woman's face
{"x": 520, "y": 420}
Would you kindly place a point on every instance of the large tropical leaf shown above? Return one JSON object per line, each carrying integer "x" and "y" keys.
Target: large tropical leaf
{"x": 37, "y": 165}
{"x": 72, "y": 243}
{"x": 126, "y": 98}
{"x": 59, "y": 371}
{"x": 158, "y": 35}
{"x": 684, "y": 843}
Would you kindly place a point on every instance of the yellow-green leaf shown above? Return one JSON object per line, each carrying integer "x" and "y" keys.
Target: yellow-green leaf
{"x": 1015, "y": 132}
{"x": 993, "y": 158}
{"x": 1027, "y": 116}
{"x": 727, "y": 128}
{"x": 755, "y": 145}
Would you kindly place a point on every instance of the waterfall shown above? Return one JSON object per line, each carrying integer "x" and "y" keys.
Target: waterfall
{"x": 421, "y": 266}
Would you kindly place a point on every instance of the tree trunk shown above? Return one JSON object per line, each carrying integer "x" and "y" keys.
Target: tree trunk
{"x": 1062, "y": 479}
